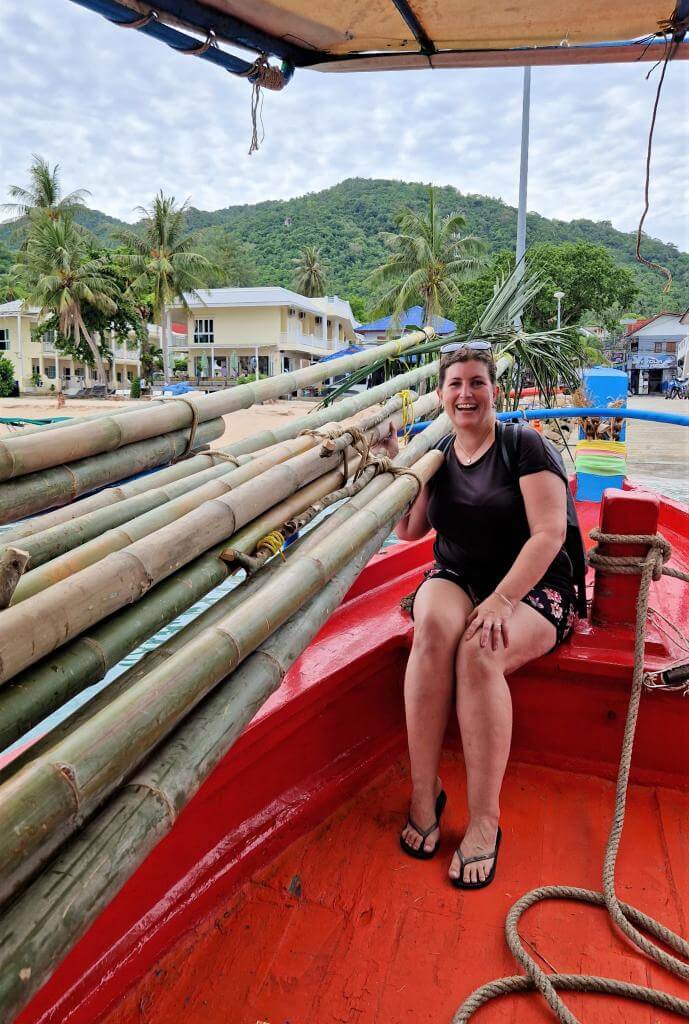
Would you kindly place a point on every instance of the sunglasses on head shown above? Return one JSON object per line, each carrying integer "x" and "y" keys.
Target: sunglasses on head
{"x": 478, "y": 346}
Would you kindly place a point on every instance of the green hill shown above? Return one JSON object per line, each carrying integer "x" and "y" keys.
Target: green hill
{"x": 347, "y": 222}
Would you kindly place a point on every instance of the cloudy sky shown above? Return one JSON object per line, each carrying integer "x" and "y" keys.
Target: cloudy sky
{"x": 124, "y": 116}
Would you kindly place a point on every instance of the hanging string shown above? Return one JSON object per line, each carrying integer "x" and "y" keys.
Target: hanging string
{"x": 263, "y": 76}
{"x": 673, "y": 30}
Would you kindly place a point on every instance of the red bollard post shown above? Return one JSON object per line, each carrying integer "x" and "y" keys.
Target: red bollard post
{"x": 614, "y": 594}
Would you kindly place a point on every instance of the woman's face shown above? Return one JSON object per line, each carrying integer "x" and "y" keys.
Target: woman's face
{"x": 467, "y": 394}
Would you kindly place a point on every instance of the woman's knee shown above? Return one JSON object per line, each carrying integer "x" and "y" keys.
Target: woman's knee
{"x": 435, "y": 638}
{"x": 475, "y": 664}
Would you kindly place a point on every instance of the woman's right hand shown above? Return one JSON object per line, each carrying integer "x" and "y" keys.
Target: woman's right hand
{"x": 388, "y": 445}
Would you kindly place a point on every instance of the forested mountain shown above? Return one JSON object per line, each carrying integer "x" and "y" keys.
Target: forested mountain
{"x": 347, "y": 222}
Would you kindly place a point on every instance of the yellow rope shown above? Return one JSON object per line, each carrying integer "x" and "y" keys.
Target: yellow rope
{"x": 407, "y": 411}
{"x": 273, "y": 542}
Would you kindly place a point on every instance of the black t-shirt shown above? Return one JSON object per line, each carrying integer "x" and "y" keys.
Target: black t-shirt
{"x": 480, "y": 519}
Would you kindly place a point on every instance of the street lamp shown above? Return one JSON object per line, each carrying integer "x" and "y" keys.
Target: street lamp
{"x": 559, "y": 296}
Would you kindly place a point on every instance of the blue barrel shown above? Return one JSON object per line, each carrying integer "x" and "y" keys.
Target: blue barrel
{"x": 603, "y": 386}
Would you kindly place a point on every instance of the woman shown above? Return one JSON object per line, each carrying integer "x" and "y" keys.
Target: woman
{"x": 501, "y": 593}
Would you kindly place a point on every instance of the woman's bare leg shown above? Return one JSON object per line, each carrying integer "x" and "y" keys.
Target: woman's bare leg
{"x": 484, "y": 710}
{"x": 440, "y": 612}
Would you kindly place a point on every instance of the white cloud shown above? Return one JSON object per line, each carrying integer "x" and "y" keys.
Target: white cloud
{"x": 124, "y": 116}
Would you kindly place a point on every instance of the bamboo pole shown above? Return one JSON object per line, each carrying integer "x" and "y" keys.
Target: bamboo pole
{"x": 46, "y": 801}
{"x": 38, "y": 691}
{"x": 62, "y": 484}
{"x": 63, "y": 902}
{"x": 239, "y": 449}
{"x": 111, "y": 495}
{"x": 342, "y": 409}
{"x": 22, "y": 455}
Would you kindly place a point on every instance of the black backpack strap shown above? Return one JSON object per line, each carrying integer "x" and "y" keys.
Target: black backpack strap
{"x": 509, "y": 436}
{"x": 445, "y": 443}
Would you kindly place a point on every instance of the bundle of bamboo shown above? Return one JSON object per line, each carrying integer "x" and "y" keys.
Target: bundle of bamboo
{"x": 108, "y": 572}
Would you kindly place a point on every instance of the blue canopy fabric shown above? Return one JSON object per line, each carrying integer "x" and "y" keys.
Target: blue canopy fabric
{"x": 342, "y": 352}
{"x": 412, "y": 317}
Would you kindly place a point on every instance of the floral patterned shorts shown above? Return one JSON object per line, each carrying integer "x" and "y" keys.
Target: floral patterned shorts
{"x": 557, "y": 606}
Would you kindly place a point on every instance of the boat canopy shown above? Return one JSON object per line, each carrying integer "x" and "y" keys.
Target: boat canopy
{"x": 373, "y": 35}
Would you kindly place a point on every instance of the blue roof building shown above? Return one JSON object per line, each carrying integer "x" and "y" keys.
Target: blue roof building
{"x": 379, "y": 330}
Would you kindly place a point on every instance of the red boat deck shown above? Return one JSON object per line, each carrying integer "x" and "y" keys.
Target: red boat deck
{"x": 343, "y": 928}
{"x": 281, "y": 895}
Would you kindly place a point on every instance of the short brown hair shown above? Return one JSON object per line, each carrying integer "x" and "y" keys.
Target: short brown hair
{"x": 466, "y": 355}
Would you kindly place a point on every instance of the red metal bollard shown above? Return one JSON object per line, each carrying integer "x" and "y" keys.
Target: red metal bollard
{"x": 614, "y": 594}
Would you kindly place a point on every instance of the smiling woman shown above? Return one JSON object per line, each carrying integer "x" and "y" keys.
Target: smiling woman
{"x": 501, "y": 594}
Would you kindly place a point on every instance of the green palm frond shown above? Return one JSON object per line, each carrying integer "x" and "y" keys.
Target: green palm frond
{"x": 43, "y": 193}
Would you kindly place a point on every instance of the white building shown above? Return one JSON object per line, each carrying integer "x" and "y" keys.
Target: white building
{"x": 226, "y": 329}
{"x": 653, "y": 349}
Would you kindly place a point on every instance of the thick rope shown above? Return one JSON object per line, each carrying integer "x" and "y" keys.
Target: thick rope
{"x": 628, "y": 919}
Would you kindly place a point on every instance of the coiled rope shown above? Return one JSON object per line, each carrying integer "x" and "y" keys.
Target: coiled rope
{"x": 627, "y": 919}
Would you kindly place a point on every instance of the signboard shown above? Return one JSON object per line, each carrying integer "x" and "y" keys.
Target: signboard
{"x": 653, "y": 361}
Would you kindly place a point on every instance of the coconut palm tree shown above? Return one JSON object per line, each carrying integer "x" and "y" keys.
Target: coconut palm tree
{"x": 44, "y": 193}
{"x": 309, "y": 273}
{"x": 162, "y": 261}
{"x": 430, "y": 258}
{"x": 61, "y": 277}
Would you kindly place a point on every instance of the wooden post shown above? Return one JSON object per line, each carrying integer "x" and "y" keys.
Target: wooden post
{"x": 614, "y": 594}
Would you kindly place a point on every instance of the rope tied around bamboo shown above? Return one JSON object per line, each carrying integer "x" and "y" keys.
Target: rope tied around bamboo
{"x": 628, "y": 919}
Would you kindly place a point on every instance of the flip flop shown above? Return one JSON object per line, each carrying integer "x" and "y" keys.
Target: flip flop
{"x": 422, "y": 854}
{"x": 459, "y": 882}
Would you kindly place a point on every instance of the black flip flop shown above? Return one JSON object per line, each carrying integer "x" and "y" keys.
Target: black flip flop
{"x": 459, "y": 882}
{"x": 422, "y": 854}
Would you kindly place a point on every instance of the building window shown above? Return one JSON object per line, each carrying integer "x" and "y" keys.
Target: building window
{"x": 319, "y": 319}
{"x": 657, "y": 346}
{"x": 4, "y": 339}
{"x": 50, "y": 372}
{"x": 203, "y": 331}
{"x": 67, "y": 372}
{"x": 130, "y": 376}
{"x": 671, "y": 346}
{"x": 49, "y": 337}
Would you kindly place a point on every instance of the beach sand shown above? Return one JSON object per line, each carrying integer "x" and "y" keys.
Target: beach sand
{"x": 237, "y": 424}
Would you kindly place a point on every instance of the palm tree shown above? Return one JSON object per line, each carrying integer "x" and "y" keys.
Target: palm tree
{"x": 62, "y": 277}
{"x": 429, "y": 260}
{"x": 44, "y": 193}
{"x": 162, "y": 261}
{"x": 309, "y": 272}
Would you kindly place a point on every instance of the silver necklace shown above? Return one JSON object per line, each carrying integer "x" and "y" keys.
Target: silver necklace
{"x": 465, "y": 453}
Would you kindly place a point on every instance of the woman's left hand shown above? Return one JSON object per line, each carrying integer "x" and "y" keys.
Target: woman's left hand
{"x": 490, "y": 617}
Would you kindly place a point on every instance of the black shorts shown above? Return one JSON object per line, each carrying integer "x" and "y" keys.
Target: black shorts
{"x": 555, "y": 605}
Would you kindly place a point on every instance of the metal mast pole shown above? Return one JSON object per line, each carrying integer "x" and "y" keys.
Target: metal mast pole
{"x": 523, "y": 179}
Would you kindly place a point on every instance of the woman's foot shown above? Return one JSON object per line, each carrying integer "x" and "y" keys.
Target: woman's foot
{"x": 423, "y": 813}
{"x": 480, "y": 837}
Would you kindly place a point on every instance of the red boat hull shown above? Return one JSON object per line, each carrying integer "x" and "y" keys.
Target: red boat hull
{"x": 335, "y": 725}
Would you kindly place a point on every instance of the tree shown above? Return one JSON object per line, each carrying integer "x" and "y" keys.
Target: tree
{"x": 587, "y": 274}
{"x": 162, "y": 260}
{"x": 231, "y": 263}
{"x": 477, "y": 293}
{"x": 44, "y": 193}
{"x": 309, "y": 272}
{"x": 429, "y": 261}
{"x": 62, "y": 278}
{"x": 6, "y": 377}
